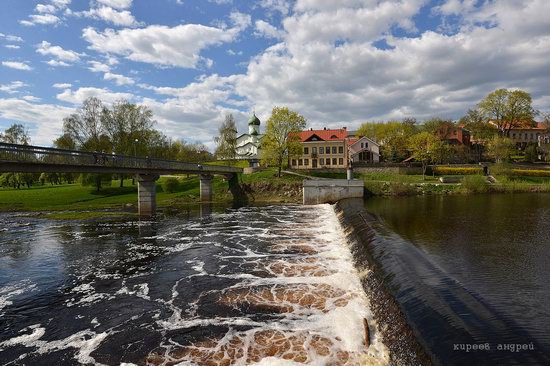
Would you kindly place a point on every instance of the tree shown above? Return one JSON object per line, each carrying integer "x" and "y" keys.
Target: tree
{"x": 281, "y": 140}
{"x": 481, "y": 131}
{"x": 422, "y": 146}
{"x": 16, "y": 134}
{"x": 392, "y": 137}
{"x": 508, "y": 109}
{"x": 85, "y": 128}
{"x": 226, "y": 142}
{"x": 434, "y": 125}
{"x": 500, "y": 148}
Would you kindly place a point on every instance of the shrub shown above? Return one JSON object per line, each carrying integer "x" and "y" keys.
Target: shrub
{"x": 531, "y": 172}
{"x": 170, "y": 185}
{"x": 448, "y": 170}
{"x": 501, "y": 169}
{"x": 475, "y": 183}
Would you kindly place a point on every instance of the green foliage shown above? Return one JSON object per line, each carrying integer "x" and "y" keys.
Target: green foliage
{"x": 423, "y": 147}
{"x": 392, "y": 137}
{"x": 447, "y": 170}
{"x": 507, "y": 109}
{"x": 434, "y": 125}
{"x": 95, "y": 180}
{"x": 227, "y": 139}
{"x": 500, "y": 148}
{"x": 16, "y": 134}
{"x": 281, "y": 140}
{"x": 530, "y": 172}
{"x": 170, "y": 185}
{"x": 475, "y": 183}
{"x": 531, "y": 153}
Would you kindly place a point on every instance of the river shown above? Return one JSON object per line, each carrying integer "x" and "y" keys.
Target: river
{"x": 269, "y": 285}
{"x": 470, "y": 271}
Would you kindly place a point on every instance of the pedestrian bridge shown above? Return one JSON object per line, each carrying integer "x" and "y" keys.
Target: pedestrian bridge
{"x": 16, "y": 158}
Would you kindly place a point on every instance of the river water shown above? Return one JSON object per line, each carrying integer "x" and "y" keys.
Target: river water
{"x": 272, "y": 285}
{"x": 470, "y": 270}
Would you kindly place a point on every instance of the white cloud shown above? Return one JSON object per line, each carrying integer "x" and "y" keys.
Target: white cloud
{"x": 43, "y": 19}
{"x": 81, "y": 94}
{"x": 31, "y": 98}
{"x": 12, "y": 46}
{"x": 96, "y": 66}
{"x": 178, "y": 46}
{"x": 16, "y": 65}
{"x": 117, "y": 4}
{"x": 46, "y": 48}
{"x": 108, "y": 14}
{"x": 12, "y": 87}
{"x": 62, "y": 85}
{"x": 47, "y": 118}
{"x": 43, "y": 8}
{"x": 280, "y": 6}
{"x": 57, "y": 63}
{"x": 118, "y": 79}
{"x": 264, "y": 29}
{"x": 11, "y": 38}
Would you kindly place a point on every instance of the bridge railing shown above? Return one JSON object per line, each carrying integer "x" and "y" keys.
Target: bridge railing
{"x": 48, "y": 155}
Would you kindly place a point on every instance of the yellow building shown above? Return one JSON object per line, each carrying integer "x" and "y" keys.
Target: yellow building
{"x": 322, "y": 149}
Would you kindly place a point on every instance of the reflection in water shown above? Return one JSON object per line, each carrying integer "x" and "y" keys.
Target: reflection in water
{"x": 479, "y": 264}
{"x": 269, "y": 285}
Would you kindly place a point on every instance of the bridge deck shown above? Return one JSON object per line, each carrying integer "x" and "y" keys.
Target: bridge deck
{"x": 36, "y": 159}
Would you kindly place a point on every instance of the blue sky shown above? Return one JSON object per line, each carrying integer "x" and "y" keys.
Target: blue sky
{"x": 339, "y": 63}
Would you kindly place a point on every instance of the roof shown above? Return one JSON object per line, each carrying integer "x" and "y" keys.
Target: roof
{"x": 254, "y": 120}
{"x": 323, "y": 135}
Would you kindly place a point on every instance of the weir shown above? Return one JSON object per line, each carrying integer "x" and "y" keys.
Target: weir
{"x": 317, "y": 191}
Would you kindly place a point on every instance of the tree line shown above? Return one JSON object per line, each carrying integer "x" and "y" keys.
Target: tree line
{"x": 123, "y": 128}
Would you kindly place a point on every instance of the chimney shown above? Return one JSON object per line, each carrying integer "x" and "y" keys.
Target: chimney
{"x": 324, "y": 128}
{"x": 344, "y": 128}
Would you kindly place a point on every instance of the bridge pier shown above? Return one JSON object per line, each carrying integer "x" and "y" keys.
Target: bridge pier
{"x": 147, "y": 192}
{"x": 206, "y": 187}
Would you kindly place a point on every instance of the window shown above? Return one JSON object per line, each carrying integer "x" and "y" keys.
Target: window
{"x": 327, "y": 162}
{"x": 334, "y": 161}
{"x": 306, "y": 150}
{"x": 321, "y": 150}
{"x": 306, "y": 161}
{"x": 531, "y": 136}
{"x": 362, "y": 145}
{"x": 299, "y": 161}
{"x": 314, "y": 150}
{"x": 293, "y": 162}
{"x": 334, "y": 149}
{"x": 340, "y": 149}
{"x": 514, "y": 135}
{"x": 322, "y": 161}
{"x": 341, "y": 161}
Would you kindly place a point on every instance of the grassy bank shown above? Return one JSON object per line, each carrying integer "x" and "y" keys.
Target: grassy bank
{"x": 261, "y": 187}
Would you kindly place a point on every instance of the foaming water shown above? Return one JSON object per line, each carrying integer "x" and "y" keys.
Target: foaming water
{"x": 269, "y": 286}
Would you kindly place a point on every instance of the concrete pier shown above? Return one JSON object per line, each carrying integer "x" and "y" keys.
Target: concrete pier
{"x": 318, "y": 191}
{"x": 147, "y": 192}
{"x": 206, "y": 187}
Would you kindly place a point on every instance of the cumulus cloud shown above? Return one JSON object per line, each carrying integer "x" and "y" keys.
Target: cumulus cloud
{"x": 117, "y": 4}
{"x": 43, "y": 19}
{"x": 46, "y": 49}
{"x": 81, "y": 94}
{"x": 264, "y": 29}
{"x": 110, "y": 15}
{"x": 118, "y": 79}
{"x": 12, "y": 46}
{"x": 96, "y": 66}
{"x": 57, "y": 63}
{"x": 178, "y": 46}
{"x": 279, "y": 6}
{"x": 47, "y": 119}
{"x": 17, "y": 65}
{"x": 12, "y": 87}
{"x": 11, "y": 37}
{"x": 62, "y": 85}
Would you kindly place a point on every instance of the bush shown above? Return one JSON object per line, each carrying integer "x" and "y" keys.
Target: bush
{"x": 530, "y": 172}
{"x": 447, "y": 170}
{"x": 170, "y": 185}
{"x": 501, "y": 169}
{"x": 475, "y": 183}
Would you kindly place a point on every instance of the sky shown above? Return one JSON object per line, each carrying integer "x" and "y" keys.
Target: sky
{"x": 338, "y": 63}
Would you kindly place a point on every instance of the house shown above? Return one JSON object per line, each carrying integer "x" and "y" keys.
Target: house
{"x": 330, "y": 149}
{"x": 249, "y": 144}
{"x": 363, "y": 150}
{"x": 454, "y": 135}
{"x": 522, "y": 136}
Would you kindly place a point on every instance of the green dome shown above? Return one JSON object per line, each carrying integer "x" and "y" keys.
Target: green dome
{"x": 255, "y": 121}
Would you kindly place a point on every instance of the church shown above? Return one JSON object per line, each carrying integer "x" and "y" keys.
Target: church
{"x": 248, "y": 144}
